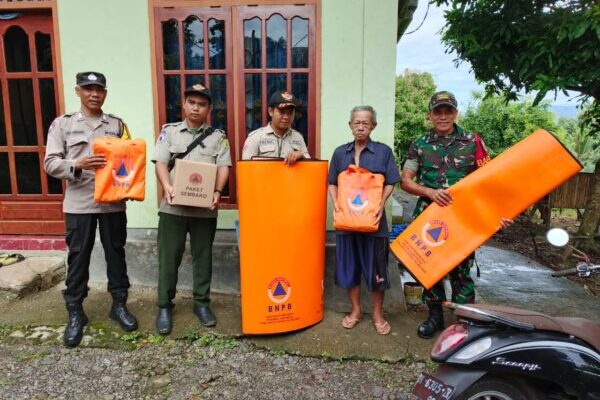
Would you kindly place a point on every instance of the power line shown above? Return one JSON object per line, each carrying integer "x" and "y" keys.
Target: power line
{"x": 422, "y": 22}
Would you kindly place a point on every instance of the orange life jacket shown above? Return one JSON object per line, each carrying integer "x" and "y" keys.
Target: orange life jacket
{"x": 124, "y": 176}
{"x": 359, "y": 195}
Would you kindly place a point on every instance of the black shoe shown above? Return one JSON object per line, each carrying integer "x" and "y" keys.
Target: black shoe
{"x": 433, "y": 324}
{"x": 164, "y": 320}
{"x": 205, "y": 315}
{"x": 74, "y": 329}
{"x": 119, "y": 313}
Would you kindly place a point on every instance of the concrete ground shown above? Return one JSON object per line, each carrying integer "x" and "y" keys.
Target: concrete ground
{"x": 325, "y": 338}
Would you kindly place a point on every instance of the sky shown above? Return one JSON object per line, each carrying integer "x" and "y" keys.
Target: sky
{"x": 423, "y": 51}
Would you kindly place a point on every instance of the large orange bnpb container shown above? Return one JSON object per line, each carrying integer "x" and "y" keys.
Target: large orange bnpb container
{"x": 441, "y": 237}
{"x": 282, "y": 212}
{"x": 124, "y": 175}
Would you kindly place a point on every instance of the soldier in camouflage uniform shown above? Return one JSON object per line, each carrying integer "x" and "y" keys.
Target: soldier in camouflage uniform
{"x": 438, "y": 160}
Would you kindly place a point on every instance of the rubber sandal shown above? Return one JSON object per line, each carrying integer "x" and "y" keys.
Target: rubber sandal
{"x": 11, "y": 259}
{"x": 348, "y": 322}
{"x": 382, "y": 328}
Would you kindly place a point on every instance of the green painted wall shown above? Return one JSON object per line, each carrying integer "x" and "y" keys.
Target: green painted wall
{"x": 358, "y": 67}
{"x": 113, "y": 37}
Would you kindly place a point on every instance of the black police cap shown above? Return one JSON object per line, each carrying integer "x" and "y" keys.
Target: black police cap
{"x": 90, "y": 78}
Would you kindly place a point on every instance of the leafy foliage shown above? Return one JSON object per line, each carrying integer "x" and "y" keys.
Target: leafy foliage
{"x": 413, "y": 91}
{"x": 581, "y": 140}
{"x": 530, "y": 45}
{"x": 502, "y": 124}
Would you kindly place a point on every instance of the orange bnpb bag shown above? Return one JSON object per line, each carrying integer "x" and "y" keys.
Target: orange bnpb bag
{"x": 359, "y": 194}
{"x": 124, "y": 176}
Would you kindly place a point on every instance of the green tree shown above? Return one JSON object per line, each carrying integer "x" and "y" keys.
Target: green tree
{"x": 533, "y": 46}
{"x": 502, "y": 123}
{"x": 581, "y": 141}
{"x": 413, "y": 91}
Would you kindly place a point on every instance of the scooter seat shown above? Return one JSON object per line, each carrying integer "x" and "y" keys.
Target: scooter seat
{"x": 584, "y": 329}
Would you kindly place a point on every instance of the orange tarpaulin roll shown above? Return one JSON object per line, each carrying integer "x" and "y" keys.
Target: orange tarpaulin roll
{"x": 359, "y": 194}
{"x": 282, "y": 212}
{"x": 441, "y": 237}
{"x": 124, "y": 176}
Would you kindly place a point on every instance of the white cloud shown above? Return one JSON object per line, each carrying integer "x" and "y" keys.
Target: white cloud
{"x": 423, "y": 51}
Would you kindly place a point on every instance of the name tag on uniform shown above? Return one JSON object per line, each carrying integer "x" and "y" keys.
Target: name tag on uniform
{"x": 74, "y": 132}
{"x": 116, "y": 134}
{"x": 264, "y": 142}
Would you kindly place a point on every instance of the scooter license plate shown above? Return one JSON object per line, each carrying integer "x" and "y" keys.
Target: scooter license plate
{"x": 430, "y": 388}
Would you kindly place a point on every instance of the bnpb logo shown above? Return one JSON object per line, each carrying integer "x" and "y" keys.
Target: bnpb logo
{"x": 279, "y": 290}
{"x": 357, "y": 203}
{"x": 435, "y": 233}
{"x": 195, "y": 179}
{"x": 122, "y": 173}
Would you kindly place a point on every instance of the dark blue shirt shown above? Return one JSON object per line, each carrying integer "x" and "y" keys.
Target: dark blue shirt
{"x": 377, "y": 158}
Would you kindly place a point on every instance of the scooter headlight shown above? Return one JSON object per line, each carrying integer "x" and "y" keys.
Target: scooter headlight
{"x": 474, "y": 349}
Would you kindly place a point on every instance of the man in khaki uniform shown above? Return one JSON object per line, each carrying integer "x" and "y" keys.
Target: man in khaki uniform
{"x": 278, "y": 139}
{"x": 69, "y": 157}
{"x": 176, "y": 221}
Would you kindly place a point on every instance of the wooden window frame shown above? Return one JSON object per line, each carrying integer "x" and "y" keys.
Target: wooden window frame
{"x": 235, "y": 84}
{"x": 32, "y": 213}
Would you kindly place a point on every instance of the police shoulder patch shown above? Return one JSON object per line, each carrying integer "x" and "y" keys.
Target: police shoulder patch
{"x": 162, "y": 136}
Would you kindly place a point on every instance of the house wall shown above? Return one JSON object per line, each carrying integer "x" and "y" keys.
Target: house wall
{"x": 358, "y": 42}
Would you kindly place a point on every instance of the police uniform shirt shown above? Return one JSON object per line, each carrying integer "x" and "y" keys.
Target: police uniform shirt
{"x": 263, "y": 142}
{"x": 175, "y": 138}
{"x": 70, "y": 137}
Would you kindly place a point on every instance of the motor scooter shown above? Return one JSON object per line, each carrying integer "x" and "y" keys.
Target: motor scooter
{"x": 504, "y": 353}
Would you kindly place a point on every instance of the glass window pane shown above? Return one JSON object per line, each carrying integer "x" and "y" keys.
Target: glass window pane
{"x": 253, "y": 102}
{"x": 170, "y": 44}
{"x": 43, "y": 50}
{"x": 276, "y": 42}
{"x": 275, "y": 82}
{"x": 22, "y": 112}
{"x": 299, "y": 42}
{"x": 191, "y": 80}
{"x": 300, "y": 90}
{"x": 2, "y": 124}
{"x": 216, "y": 41}
{"x": 218, "y": 89}
{"x": 48, "y": 104}
{"x": 173, "y": 98}
{"x": 252, "y": 43}
{"x": 54, "y": 185}
{"x": 28, "y": 173}
{"x": 193, "y": 33}
{"x": 4, "y": 174}
{"x": 16, "y": 50}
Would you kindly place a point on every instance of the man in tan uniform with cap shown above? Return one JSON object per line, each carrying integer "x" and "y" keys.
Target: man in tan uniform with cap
{"x": 69, "y": 157}
{"x": 278, "y": 139}
{"x": 175, "y": 222}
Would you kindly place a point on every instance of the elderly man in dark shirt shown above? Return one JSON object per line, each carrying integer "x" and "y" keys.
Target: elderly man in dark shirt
{"x": 358, "y": 252}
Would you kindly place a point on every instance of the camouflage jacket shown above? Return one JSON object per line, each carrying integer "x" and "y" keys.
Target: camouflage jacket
{"x": 441, "y": 161}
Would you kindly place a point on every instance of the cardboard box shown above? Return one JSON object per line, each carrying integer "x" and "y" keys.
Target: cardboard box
{"x": 194, "y": 183}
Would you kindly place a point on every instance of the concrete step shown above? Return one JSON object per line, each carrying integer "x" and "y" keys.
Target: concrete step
{"x": 37, "y": 272}
{"x": 142, "y": 264}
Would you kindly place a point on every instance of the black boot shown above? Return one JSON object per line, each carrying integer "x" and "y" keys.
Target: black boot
{"x": 164, "y": 320}
{"x": 205, "y": 315}
{"x": 119, "y": 313}
{"x": 434, "y": 323}
{"x": 74, "y": 329}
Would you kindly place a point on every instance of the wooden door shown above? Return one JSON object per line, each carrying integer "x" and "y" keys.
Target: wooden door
{"x": 30, "y": 200}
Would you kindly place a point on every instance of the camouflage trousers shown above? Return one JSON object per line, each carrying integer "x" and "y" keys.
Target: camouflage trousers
{"x": 463, "y": 287}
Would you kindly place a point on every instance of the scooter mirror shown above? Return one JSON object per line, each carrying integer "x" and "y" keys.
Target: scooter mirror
{"x": 557, "y": 237}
